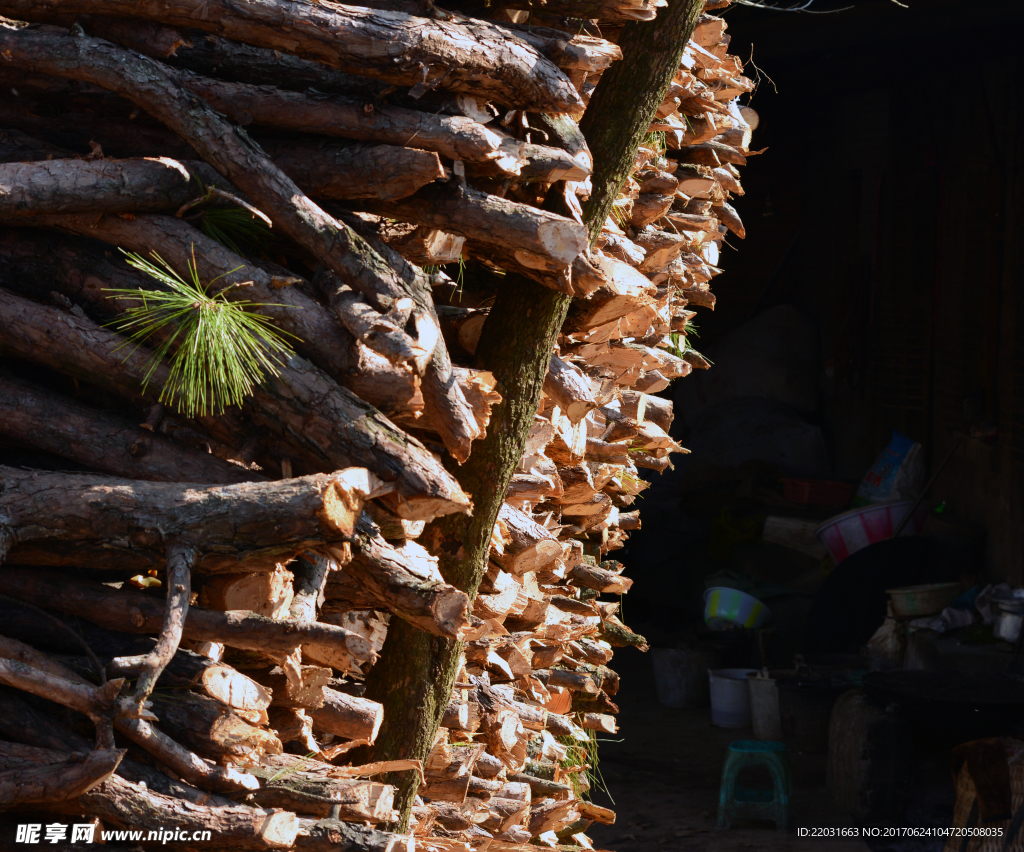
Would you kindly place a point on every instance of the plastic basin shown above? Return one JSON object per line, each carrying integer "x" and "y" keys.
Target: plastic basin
{"x": 851, "y": 531}
{"x": 725, "y": 608}
{"x": 917, "y": 601}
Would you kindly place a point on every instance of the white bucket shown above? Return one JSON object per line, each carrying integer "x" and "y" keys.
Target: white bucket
{"x": 730, "y": 697}
{"x": 764, "y": 708}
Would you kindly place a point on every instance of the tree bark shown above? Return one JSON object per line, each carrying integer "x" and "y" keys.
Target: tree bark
{"x": 201, "y": 674}
{"x": 212, "y": 729}
{"x": 188, "y": 766}
{"x": 246, "y": 526}
{"x": 124, "y": 803}
{"x": 348, "y": 716}
{"x": 134, "y": 612}
{"x": 24, "y": 724}
{"x": 103, "y": 441}
{"x": 331, "y": 835}
{"x": 40, "y": 775}
{"x": 569, "y": 389}
{"x": 307, "y": 786}
{"x": 415, "y": 674}
{"x": 488, "y": 219}
{"x": 477, "y": 58}
{"x": 382, "y": 572}
{"x": 382, "y": 172}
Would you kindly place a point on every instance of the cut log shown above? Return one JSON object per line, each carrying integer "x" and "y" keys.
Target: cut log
{"x": 529, "y": 548}
{"x": 490, "y": 220}
{"x": 124, "y": 803}
{"x": 47, "y": 257}
{"x": 190, "y": 767}
{"x": 331, "y": 835}
{"x": 20, "y": 722}
{"x": 478, "y": 58}
{"x": 211, "y": 729}
{"x": 600, "y": 579}
{"x": 310, "y": 786}
{"x": 215, "y": 679}
{"x": 728, "y": 216}
{"x": 648, "y": 208}
{"x": 18, "y": 147}
{"x": 547, "y": 165}
{"x": 247, "y": 525}
{"x": 380, "y": 172}
{"x": 309, "y": 576}
{"x": 32, "y": 775}
{"x": 348, "y": 716}
{"x": 394, "y": 583}
{"x": 103, "y": 441}
{"x": 267, "y": 592}
{"x": 450, "y": 413}
{"x": 383, "y": 333}
{"x": 569, "y": 389}
{"x": 134, "y": 612}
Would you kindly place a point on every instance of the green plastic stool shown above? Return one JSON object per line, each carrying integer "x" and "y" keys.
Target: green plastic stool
{"x": 755, "y": 802}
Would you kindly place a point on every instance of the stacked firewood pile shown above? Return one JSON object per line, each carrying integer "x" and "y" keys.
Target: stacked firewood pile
{"x": 188, "y": 615}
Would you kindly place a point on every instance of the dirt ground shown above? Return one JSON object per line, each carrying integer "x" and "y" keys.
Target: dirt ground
{"x": 663, "y": 772}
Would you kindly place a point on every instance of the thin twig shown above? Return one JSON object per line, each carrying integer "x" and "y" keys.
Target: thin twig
{"x": 259, "y": 214}
{"x": 234, "y": 199}
{"x": 180, "y": 556}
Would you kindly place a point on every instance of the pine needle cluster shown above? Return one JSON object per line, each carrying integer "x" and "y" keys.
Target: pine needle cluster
{"x": 217, "y": 350}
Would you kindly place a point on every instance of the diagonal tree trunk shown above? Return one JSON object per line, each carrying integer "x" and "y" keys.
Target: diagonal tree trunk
{"x": 416, "y": 672}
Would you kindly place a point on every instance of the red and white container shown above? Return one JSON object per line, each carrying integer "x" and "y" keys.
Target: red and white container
{"x": 854, "y": 530}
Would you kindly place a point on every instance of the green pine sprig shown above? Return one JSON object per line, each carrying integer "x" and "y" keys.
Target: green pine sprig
{"x": 218, "y": 350}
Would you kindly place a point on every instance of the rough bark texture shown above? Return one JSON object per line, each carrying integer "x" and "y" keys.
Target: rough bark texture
{"x": 477, "y": 58}
{"x": 232, "y": 527}
{"x": 348, "y": 716}
{"x": 331, "y": 835}
{"x": 134, "y": 612}
{"x": 382, "y": 572}
{"x": 24, "y": 724}
{"x": 142, "y": 185}
{"x": 104, "y": 441}
{"x": 42, "y": 775}
{"x": 125, "y": 803}
{"x": 459, "y": 209}
{"x": 415, "y": 674}
{"x": 413, "y": 678}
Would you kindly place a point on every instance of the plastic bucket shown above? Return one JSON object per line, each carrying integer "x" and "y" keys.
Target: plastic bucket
{"x": 730, "y": 697}
{"x": 764, "y": 708}
{"x": 725, "y": 608}
{"x": 851, "y": 531}
{"x": 681, "y": 676}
